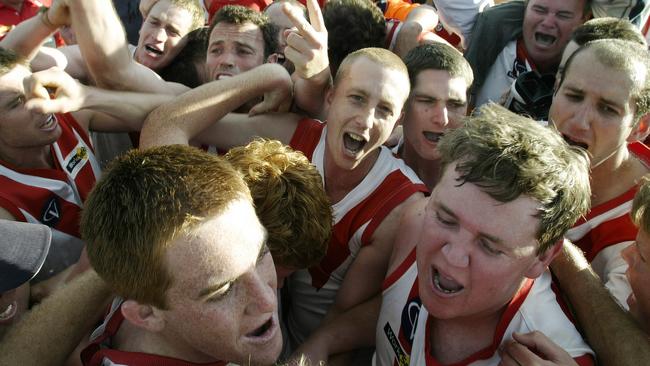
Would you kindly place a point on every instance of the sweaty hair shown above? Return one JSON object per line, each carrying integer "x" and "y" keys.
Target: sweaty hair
{"x": 238, "y": 15}
{"x": 607, "y": 28}
{"x": 640, "y": 213}
{"x": 507, "y": 156}
{"x": 289, "y": 200}
{"x": 623, "y": 56}
{"x": 9, "y": 59}
{"x": 142, "y": 203}
{"x": 195, "y": 9}
{"x": 438, "y": 56}
{"x": 380, "y": 56}
{"x": 352, "y": 25}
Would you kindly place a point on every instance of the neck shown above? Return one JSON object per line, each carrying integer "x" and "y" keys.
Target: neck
{"x": 339, "y": 182}
{"x": 131, "y": 338}
{"x": 615, "y": 176}
{"x": 39, "y": 157}
{"x": 427, "y": 170}
{"x": 453, "y": 340}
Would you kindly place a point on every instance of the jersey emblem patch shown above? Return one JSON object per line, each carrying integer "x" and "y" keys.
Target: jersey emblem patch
{"x": 51, "y": 212}
{"x": 76, "y": 160}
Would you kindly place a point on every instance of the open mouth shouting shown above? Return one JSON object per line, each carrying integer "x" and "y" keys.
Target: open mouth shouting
{"x": 49, "y": 124}
{"x": 572, "y": 142}
{"x": 446, "y": 285}
{"x": 353, "y": 143}
{"x": 265, "y": 332}
{"x": 432, "y": 136}
{"x": 153, "y": 51}
{"x": 545, "y": 40}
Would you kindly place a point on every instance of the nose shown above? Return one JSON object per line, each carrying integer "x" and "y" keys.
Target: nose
{"x": 226, "y": 60}
{"x": 456, "y": 254}
{"x": 365, "y": 119}
{"x": 548, "y": 21}
{"x": 160, "y": 35}
{"x": 440, "y": 115}
{"x": 581, "y": 119}
{"x": 261, "y": 293}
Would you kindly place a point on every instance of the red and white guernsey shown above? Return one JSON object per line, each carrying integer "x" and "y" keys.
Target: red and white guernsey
{"x": 402, "y": 336}
{"x": 356, "y": 217}
{"x": 608, "y": 229}
{"x": 54, "y": 196}
{"x": 101, "y": 353}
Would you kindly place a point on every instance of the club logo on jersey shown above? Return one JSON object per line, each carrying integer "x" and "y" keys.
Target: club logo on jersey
{"x": 518, "y": 67}
{"x": 410, "y": 314}
{"x": 51, "y": 212}
{"x": 76, "y": 160}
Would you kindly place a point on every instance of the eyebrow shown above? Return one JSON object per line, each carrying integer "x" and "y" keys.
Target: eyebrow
{"x": 449, "y": 212}
{"x": 210, "y": 290}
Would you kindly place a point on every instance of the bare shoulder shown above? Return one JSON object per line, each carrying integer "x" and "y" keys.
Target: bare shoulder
{"x": 408, "y": 230}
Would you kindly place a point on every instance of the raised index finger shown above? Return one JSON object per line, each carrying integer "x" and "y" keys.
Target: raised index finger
{"x": 305, "y": 29}
{"x": 315, "y": 16}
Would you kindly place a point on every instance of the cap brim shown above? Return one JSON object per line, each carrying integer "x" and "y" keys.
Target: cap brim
{"x": 23, "y": 249}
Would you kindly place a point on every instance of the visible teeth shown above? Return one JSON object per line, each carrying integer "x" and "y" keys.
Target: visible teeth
{"x": 432, "y": 136}
{"x": 223, "y": 76}
{"x": 450, "y": 288}
{"x": 8, "y": 312}
{"x": 544, "y": 39}
{"x": 353, "y": 142}
{"x": 356, "y": 137}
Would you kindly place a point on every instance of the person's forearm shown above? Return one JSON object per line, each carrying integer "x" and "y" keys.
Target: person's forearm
{"x": 102, "y": 40}
{"x": 52, "y": 330}
{"x": 27, "y": 37}
{"x": 187, "y": 115}
{"x": 610, "y": 331}
{"x": 310, "y": 94}
{"x": 128, "y": 107}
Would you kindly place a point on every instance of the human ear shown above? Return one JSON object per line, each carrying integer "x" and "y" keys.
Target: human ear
{"x": 641, "y": 130}
{"x": 544, "y": 260}
{"x": 143, "y": 316}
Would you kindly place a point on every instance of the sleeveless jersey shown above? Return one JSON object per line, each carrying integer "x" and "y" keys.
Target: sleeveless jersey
{"x": 608, "y": 229}
{"x": 403, "y": 338}
{"x": 356, "y": 217}
{"x": 54, "y": 197}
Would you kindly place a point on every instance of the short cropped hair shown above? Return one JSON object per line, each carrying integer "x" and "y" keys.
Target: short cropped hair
{"x": 507, "y": 155}
{"x": 623, "y": 56}
{"x": 607, "y": 28}
{"x": 10, "y": 59}
{"x": 143, "y": 202}
{"x": 289, "y": 200}
{"x": 352, "y": 25}
{"x": 194, "y": 8}
{"x": 438, "y": 56}
{"x": 238, "y": 15}
{"x": 380, "y": 56}
{"x": 640, "y": 206}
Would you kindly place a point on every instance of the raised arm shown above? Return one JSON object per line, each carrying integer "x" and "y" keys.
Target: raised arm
{"x": 307, "y": 50}
{"x": 54, "y": 91}
{"x": 195, "y": 112}
{"x": 103, "y": 45}
{"x": 611, "y": 331}
{"x": 51, "y": 331}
